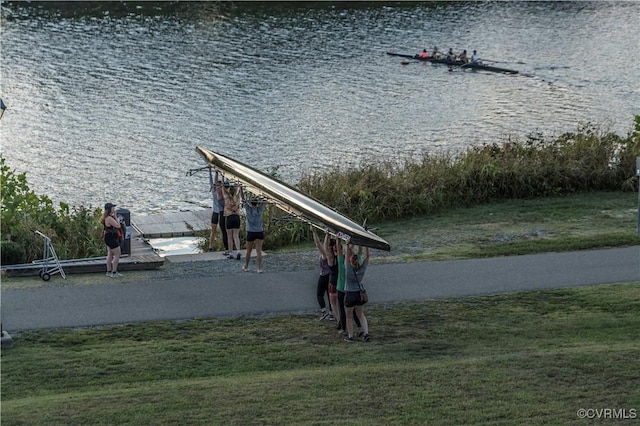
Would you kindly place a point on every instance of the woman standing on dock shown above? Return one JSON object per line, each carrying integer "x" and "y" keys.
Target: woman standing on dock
{"x": 112, "y": 232}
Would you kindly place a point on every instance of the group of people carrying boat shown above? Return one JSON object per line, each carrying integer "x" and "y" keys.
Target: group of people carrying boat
{"x": 342, "y": 264}
{"x": 342, "y": 267}
{"x": 450, "y": 56}
{"x": 228, "y": 198}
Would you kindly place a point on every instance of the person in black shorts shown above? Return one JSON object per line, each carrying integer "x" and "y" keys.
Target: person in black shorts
{"x": 331, "y": 251}
{"x": 217, "y": 215}
{"x": 355, "y": 267}
{"x": 112, "y": 231}
{"x": 255, "y": 232}
{"x": 323, "y": 279}
{"x": 232, "y": 201}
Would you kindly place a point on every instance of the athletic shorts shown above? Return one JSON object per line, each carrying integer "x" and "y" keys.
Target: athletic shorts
{"x": 215, "y": 218}
{"x": 352, "y": 298}
{"x": 333, "y": 289}
{"x": 232, "y": 221}
{"x": 252, "y": 236}
{"x": 112, "y": 241}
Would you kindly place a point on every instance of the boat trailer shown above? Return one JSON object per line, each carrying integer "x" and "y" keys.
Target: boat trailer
{"x": 50, "y": 263}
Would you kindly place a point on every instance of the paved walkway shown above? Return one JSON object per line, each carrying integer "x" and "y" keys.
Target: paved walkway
{"x": 278, "y": 293}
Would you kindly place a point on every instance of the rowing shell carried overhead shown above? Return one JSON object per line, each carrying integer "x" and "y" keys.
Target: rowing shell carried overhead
{"x": 293, "y": 201}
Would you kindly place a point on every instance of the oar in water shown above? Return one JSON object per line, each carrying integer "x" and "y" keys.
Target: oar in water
{"x": 500, "y": 62}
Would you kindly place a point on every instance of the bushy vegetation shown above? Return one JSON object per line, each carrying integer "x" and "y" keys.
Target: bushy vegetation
{"x": 74, "y": 231}
{"x": 587, "y": 160}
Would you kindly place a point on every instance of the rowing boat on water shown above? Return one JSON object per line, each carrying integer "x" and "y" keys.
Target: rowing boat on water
{"x": 461, "y": 64}
{"x": 291, "y": 200}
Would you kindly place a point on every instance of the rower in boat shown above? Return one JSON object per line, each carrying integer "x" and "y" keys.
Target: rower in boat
{"x": 424, "y": 54}
{"x": 450, "y": 56}
{"x": 435, "y": 52}
{"x": 474, "y": 58}
{"x": 463, "y": 57}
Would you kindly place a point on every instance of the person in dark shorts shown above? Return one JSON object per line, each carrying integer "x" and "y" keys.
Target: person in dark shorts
{"x": 255, "y": 232}
{"x": 323, "y": 279}
{"x": 331, "y": 251}
{"x": 342, "y": 323}
{"x": 217, "y": 214}
{"x": 232, "y": 201}
{"x": 112, "y": 233}
{"x": 355, "y": 268}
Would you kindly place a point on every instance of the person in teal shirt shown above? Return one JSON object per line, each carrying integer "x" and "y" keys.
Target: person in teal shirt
{"x": 342, "y": 323}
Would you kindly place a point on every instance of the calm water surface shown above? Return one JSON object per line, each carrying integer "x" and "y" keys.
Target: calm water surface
{"x": 107, "y": 101}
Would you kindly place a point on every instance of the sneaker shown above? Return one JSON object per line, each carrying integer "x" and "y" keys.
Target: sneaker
{"x": 348, "y": 339}
{"x": 341, "y": 332}
{"x": 259, "y": 271}
{"x": 366, "y": 338}
{"x": 225, "y": 253}
{"x": 324, "y": 315}
{"x": 245, "y": 269}
{"x": 238, "y": 256}
{"x": 109, "y": 274}
{"x": 331, "y": 317}
{"x": 230, "y": 256}
{"x": 115, "y": 274}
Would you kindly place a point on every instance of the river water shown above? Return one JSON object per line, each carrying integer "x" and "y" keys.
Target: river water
{"x": 107, "y": 101}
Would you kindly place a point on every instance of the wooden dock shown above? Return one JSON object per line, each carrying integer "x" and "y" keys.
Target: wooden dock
{"x": 172, "y": 224}
{"x": 142, "y": 255}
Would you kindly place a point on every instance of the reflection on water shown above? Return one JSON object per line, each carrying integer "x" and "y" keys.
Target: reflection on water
{"x": 107, "y": 101}
{"x": 175, "y": 246}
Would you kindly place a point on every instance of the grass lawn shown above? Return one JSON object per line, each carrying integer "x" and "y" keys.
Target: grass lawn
{"x": 520, "y": 358}
{"x": 576, "y": 222}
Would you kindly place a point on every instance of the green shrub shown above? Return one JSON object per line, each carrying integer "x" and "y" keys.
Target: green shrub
{"x": 74, "y": 231}
{"x": 12, "y": 252}
{"x": 587, "y": 160}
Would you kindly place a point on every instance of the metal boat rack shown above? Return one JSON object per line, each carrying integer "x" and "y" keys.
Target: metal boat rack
{"x": 50, "y": 263}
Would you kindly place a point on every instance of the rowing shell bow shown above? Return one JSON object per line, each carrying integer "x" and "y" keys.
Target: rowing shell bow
{"x": 294, "y": 202}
